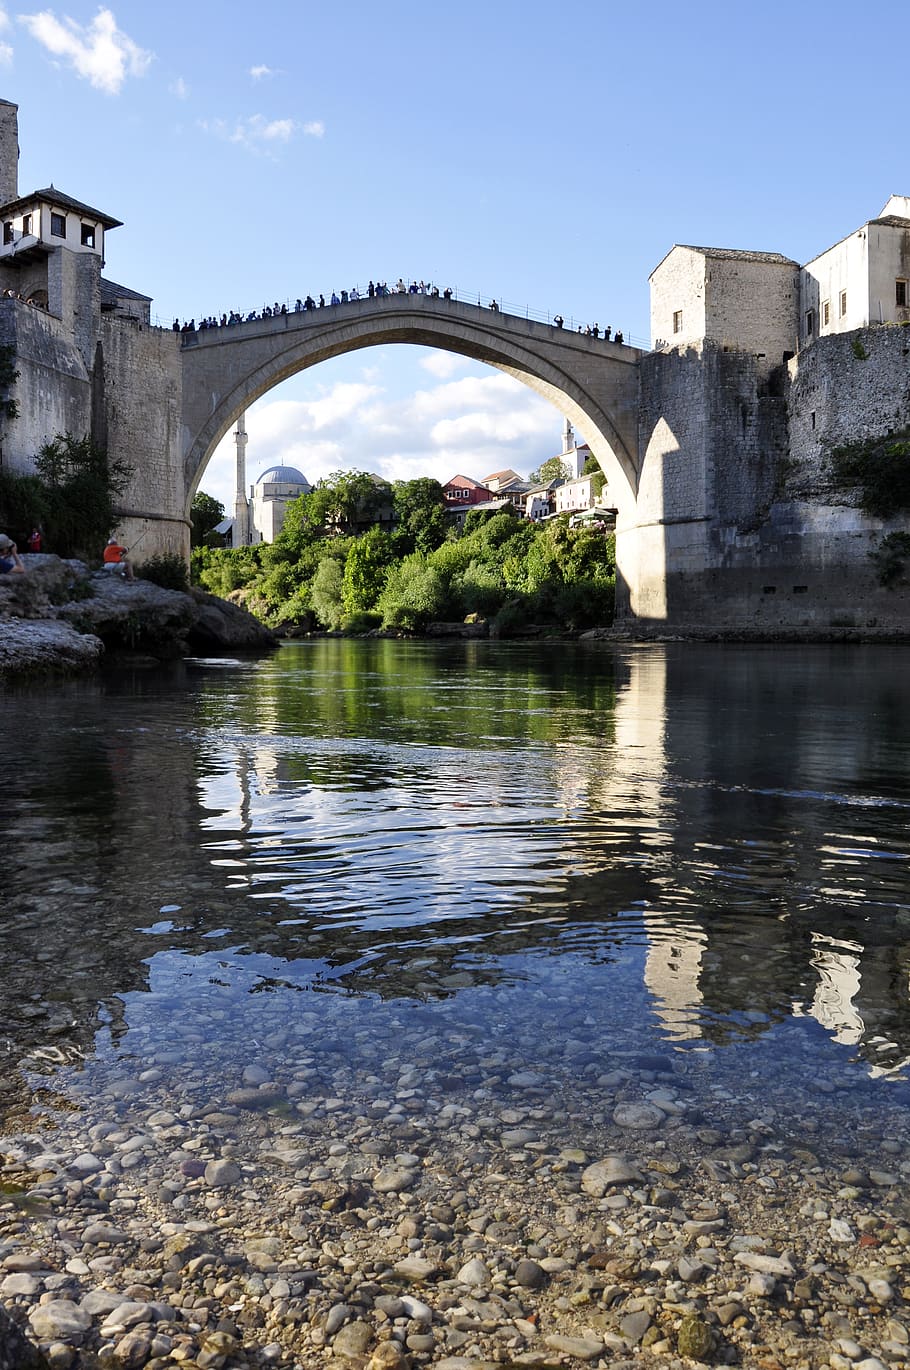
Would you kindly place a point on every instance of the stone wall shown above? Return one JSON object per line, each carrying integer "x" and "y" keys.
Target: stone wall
{"x": 138, "y": 385}
{"x": 739, "y": 527}
{"x": 53, "y": 390}
{"x": 127, "y": 398}
{"x": 844, "y": 389}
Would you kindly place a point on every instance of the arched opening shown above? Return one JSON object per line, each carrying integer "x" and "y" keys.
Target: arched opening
{"x": 399, "y": 412}
{"x": 228, "y": 371}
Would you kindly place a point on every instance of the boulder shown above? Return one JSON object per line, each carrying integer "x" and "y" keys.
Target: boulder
{"x": 61, "y": 617}
{"x": 28, "y": 647}
{"x": 219, "y": 623}
{"x": 16, "y": 1352}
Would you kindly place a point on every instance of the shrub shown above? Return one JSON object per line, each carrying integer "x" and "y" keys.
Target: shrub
{"x": 880, "y": 469}
{"x": 890, "y": 559}
{"x": 414, "y": 594}
{"x": 168, "y": 570}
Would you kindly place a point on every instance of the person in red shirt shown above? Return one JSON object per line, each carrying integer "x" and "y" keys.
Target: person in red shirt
{"x": 115, "y": 559}
{"x": 34, "y": 541}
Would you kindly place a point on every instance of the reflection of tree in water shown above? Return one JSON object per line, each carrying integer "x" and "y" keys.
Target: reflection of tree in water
{"x": 107, "y": 826}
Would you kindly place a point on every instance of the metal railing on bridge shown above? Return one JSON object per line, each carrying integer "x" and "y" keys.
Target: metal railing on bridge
{"x": 571, "y": 324}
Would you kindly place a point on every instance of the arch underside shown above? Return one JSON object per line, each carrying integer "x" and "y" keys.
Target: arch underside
{"x": 247, "y": 378}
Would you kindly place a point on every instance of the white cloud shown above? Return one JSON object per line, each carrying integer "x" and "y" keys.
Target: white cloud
{"x": 443, "y": 364}
{"x": 100, "y": 51}
{"x": 314, "y": 129}
{"x": 6, "y": 54}
{"x": 180, "y": 88}
{"x": 478, "y": 424}
{"x": 259, "y": 72}
{"x": 256, "y": 133}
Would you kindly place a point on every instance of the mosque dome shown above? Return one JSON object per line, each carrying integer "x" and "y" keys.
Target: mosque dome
{"x": 283, "y": 475}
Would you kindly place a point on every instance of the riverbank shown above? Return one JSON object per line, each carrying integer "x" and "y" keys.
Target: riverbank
{"x": 292, "y": 1216}
{"x": 62, "y": 619}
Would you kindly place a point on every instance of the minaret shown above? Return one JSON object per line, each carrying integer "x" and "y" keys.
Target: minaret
{"x": 568, "y": 437}
{"x": 240, "y": 533}
{"x": 9, "y": 152}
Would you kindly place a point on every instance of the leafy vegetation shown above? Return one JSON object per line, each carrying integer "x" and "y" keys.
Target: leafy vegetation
{"x": 71, "y": 497}
{"x": 880, "y": 469}
{"x": 554, "y": 468}
{"x": 8, "y": 377}
{"x": 168, "y": 570}
{"x": 332, "y": 565}
{"x": 890, "y": 558}
{"x": 206, "y": 513}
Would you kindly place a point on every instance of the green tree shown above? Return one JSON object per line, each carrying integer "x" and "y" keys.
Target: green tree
{"x": 205, "y": 513}
{"x": 326, "y": 593}
{"x": 414, "y": 594}
{"x": 593, "y": 469}
{"x": 365, "y": 568}
{"x": 344, "y": 502}
{"x": 80, "y": 485}
{"x": 420, "y": 515}
{"x": 554, "y": 468}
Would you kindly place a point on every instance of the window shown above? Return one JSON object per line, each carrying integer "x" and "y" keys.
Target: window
{"x": 58, "y": 225}
{"x": 810, "y": 322}
{"x": 26, "y": 225}
{"x": 677, "y": 320}
{"x": 88, "y": 235}
{"x": 900, "y": 294}
{"x": 843, "y": 303}
{"x": 826, "y": 313}
{"x": 8, "y": 232}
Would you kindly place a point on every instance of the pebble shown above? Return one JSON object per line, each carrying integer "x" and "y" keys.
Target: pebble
{"x": 384, "y": 1214}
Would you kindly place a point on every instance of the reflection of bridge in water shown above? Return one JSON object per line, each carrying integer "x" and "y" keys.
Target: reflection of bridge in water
{"x": 235, "y": 820}
{"x": 740, "y": 935}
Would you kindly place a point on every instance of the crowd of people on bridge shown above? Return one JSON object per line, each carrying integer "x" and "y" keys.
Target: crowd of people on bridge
{"x": 374, "y": 290}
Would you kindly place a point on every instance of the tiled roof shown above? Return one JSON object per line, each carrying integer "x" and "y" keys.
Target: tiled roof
{"x": 111, "y": 292}
{"x": 734, "y": 254}
{"x": 56, "y": 197}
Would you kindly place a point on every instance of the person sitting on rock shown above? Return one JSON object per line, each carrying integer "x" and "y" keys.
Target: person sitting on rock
{"x": 9, "y": 556}
{"x": 115, "y": 559}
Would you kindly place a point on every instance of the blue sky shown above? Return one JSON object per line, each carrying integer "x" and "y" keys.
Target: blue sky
{"x": 545, "y": 155}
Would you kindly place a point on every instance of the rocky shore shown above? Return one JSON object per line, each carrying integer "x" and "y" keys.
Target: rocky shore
{"x": 60, "y": 618}
{"x": 298, "y": 1216}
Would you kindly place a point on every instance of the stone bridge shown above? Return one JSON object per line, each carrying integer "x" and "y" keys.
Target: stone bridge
{"x": 590, "y": 381}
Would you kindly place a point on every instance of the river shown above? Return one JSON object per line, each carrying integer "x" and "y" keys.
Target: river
{"x": 529, "y": 904}
{"x": 694, "y": 849}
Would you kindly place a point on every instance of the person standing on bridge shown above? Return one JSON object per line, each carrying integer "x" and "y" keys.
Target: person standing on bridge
{"x": 607, "y": 331}
{"x": 618, "y": 337}
{"x": 559, "y": 321}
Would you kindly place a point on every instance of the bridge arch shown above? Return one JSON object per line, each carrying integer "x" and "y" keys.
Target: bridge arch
{"x": 591, "y": 382}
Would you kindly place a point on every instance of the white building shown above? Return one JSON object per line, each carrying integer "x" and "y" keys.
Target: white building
{"x": 864, "y": 279}
{"x": 574, "y": 495}
{"x": 261, "y": 517}
{"x": 275, "y": 489}
{"x": 767, "y": 304}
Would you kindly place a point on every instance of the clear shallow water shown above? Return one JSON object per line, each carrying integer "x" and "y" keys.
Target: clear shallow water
{"x": 569, "y": 860}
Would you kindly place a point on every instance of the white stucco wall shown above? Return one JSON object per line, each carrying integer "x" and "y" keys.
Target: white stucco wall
{"x": 844, "y": 267}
